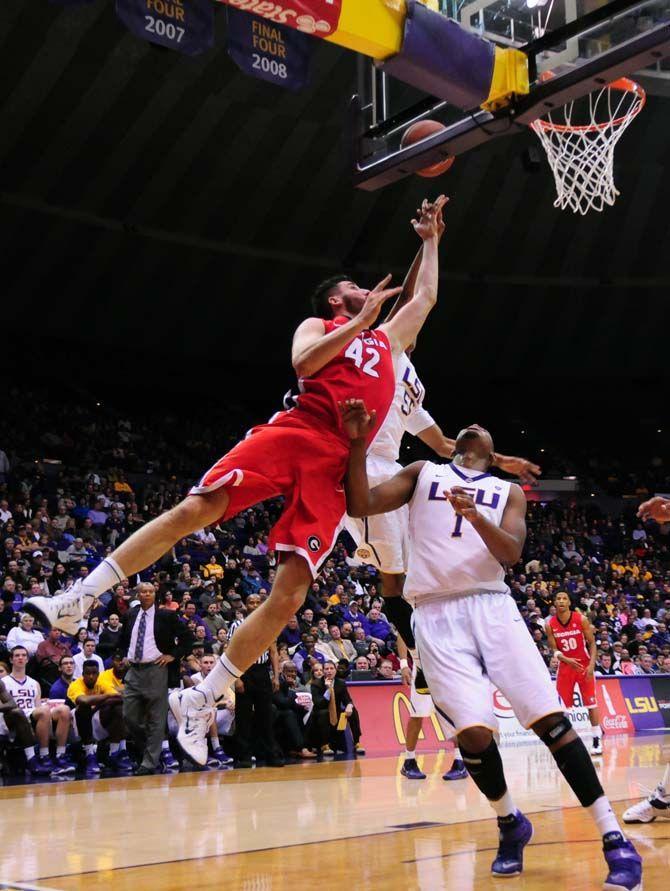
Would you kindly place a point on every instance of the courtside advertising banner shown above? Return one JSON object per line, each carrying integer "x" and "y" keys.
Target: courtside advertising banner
{"x": 269, "y": 51}
{"x": 641, "y": 702}
{"x": 183, "y": 25}
{"x": 661, "y": 689}
{"x": 319, "y": 18}
{"x": 627, "y": 706}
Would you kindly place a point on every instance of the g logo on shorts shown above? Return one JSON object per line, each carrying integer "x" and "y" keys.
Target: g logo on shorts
{"x": 314, "y": 543}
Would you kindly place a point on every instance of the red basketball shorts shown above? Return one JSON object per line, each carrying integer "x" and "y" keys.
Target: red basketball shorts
{"x": 567, "y": 678}
{"x": 293, "y": 457}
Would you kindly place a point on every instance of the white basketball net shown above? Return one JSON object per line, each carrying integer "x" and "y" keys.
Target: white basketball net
{"x": 580, "y": 139}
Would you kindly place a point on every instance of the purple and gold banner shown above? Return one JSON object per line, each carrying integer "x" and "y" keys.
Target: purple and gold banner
{"x": 268, "y": 51}
{"x": 183, "y": 25}
{"x": 641, "y": 702}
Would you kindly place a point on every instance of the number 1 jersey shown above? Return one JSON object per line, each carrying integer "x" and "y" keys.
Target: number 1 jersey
{"x": 446, "y": 555}
{"x": 363, "y": 369}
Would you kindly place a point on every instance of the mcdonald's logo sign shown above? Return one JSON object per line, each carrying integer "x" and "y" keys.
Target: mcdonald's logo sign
{"x": 401, "y": 701}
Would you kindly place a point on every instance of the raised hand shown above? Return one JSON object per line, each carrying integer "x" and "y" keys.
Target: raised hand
{"x": 374, "y": 301}
{"x": 430, "y": 223}
{"x": 356, "y": 419}
{"x": 462, "y": 503}
{"x": 655, "y": 509}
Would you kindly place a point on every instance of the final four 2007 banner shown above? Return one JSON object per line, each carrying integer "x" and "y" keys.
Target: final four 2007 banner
{"x": 318, "y": 17}
{"x": 183, "y": 25}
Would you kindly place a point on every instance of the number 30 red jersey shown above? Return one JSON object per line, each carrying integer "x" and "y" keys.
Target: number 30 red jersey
{"x": 362, "y": 370}
{"x": 570, "y": 638}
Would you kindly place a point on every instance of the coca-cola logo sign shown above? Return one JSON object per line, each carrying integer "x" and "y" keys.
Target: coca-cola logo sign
{"x": 618, "y": 722}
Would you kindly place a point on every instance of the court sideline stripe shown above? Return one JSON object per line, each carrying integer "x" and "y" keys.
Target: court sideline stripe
{"x": 322, "y": 841}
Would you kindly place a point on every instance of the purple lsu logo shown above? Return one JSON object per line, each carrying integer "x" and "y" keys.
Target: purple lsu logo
{"x": 436, "y": 493}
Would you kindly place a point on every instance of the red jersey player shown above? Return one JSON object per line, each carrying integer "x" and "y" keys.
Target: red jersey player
{"x": 301, "y": 454}
{"x": 569, "y": 633}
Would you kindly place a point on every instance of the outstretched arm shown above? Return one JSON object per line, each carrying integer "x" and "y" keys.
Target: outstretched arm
{"x": 506, "y": 541}
{"x": 362, "y": 501}
{"x": 409, "y": 285}
{"x": 442, "y": 445}
{"x": 435, "y": 439}
{"x": 403, "y": 330}
{"x": 313, "y": 348}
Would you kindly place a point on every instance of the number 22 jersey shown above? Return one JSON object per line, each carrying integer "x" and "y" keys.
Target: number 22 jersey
{"x": 446, "y": 555}
{"x": 26, "y": 693}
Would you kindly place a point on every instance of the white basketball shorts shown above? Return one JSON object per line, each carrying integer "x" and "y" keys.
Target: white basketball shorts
{"x": 382, "y": 540}
{"x": 422, "y": 703}
{"x": 468, "y": 642}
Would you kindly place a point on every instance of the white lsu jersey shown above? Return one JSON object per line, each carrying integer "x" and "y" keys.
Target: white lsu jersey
{"x": 446, "y": 555}
{"x": 26, "y": 693}
{"x": 406, "y": 412}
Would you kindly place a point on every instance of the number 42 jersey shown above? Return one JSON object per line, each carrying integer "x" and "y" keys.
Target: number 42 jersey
{"x": 364, "y": 369}
{"x": 447, "y": 556}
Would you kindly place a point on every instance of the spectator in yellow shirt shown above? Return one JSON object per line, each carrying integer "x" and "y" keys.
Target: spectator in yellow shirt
{"x": 98, "y": 712}
{"x": 111, "y": 680}
{"x": 213, "y": 570}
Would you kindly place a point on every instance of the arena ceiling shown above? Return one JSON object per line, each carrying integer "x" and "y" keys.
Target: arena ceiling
{"x": 153, "y": 204}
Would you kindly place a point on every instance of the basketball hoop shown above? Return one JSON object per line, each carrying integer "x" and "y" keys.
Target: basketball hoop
{"x": 581, "y": 152}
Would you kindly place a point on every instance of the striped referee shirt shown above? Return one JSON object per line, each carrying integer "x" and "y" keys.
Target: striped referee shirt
{"x": 264, "y": 658}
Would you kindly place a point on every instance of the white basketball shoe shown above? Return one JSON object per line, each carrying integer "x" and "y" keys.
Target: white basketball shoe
{"x": 64, "y": 610}
{"x": 656, "y": 805}
{"x": 194, "y": 718}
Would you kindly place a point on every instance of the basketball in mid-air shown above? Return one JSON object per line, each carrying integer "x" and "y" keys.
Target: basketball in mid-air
{"x": 420, "y": 131}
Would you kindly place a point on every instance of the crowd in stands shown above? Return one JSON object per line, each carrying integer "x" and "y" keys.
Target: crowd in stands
{"x": 68, "y": 497}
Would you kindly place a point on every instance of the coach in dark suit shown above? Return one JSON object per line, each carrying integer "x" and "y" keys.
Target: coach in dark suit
{"x": 331, "y": 698}
{"x": 154, "y": 641}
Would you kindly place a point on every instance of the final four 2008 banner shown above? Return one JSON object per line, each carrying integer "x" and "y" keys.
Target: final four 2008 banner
{"x": 268, "y": 50}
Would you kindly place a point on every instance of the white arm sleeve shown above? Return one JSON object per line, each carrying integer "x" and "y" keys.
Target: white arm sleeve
{"x": 419, "y": 420}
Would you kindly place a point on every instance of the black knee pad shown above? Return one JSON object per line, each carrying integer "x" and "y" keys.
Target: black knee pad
{"x": 486, "y": 770}
{"x": 560, "y": 728}
{"x": 399, "y": 611}
{"x": 575, "y": 763}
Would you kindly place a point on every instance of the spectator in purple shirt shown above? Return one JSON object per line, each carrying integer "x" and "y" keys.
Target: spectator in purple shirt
{"x": 97, "y": 515}
{"x": 378, "y": 628}
{"x": 305, "y": 652}
{"x": 354, "y": 613}
{"x": 291, "y": 633}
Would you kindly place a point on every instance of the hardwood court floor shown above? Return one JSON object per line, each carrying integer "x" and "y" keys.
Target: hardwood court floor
{"x": 352, "y": 824}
